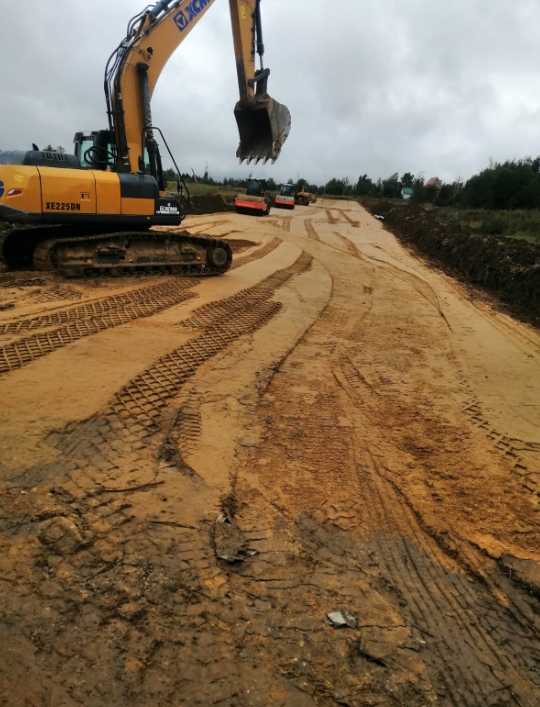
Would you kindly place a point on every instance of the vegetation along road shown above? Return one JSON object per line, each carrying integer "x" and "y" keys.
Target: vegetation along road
{"x": 195, "y": 474}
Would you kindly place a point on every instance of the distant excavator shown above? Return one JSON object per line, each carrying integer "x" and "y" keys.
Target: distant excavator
{"x": 104, "y": 198}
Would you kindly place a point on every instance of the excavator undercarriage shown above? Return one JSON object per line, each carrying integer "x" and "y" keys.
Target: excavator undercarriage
{"x": 60, "y": 249}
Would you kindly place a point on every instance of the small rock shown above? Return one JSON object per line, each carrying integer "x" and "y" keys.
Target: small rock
{"x": 341, "y": 619}
{"x": 229, "y": 541}
{"x": 381, "y": 218}
{"x": 340, "y": 698}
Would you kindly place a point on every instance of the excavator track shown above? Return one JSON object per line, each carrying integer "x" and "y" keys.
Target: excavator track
{"x": 123, "y": 252}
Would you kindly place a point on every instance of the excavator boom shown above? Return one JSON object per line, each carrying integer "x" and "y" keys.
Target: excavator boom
{"x": 263, "y": 123}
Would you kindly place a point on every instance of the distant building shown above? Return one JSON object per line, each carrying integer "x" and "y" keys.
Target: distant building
{"x": 407, "y": 193}
{"x": 434, "y": 182}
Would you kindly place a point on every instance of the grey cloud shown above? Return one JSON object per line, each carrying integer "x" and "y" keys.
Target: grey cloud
{"x": 373, "y": 86}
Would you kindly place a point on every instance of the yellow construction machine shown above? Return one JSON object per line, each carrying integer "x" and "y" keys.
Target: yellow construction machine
{"x": 92, "y": 210}
{"x": 303, "y": 197}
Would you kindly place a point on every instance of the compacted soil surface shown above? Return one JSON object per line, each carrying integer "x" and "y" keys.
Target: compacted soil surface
{"x": 312, "y": 481}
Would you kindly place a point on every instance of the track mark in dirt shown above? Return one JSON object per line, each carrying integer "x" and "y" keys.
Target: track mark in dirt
{"x": 185, "y": 430}
{"x": 475, "y": 650}
{"x": 256, "y": 255}
{"x": 286, "y": 223}
{"x": 353, "y": 222}
{"x": 354, "y": 378}
{"x": 205, "y": 226}
{"x": 432, "y": 588}
{"x": 312, "y": 233}
{"x": 351, "y": 248}
{"x": 98, "y": 308}
{"x": 136, "y": 411}
{"x": 93, "y": 317}
{"x": 240, "y": 302}
{"x": 81, "y": 323}
{"x": 421, "y": 286}
{"x": 331, "y": 218}
{"x": 273, "y": 222}
{"x": 239, "y": 245}
{"x": 509, "y": 448}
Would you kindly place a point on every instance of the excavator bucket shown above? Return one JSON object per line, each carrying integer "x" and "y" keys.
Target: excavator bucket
{"x": 264, "y": 125}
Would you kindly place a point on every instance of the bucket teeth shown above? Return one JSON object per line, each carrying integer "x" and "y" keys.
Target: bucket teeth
{"x": 264, "y": 125}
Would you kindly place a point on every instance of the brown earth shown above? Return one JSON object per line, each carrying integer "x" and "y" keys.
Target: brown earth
{"x": 509, "y": 268}
{"x": 206, "y": 205}
{"x": 194, "y": 474}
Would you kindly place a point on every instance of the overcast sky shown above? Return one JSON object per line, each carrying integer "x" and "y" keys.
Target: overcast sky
{"x": 373, "y": 86}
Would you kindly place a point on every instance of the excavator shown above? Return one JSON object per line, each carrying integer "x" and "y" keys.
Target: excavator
{"x": 92, "y": 211}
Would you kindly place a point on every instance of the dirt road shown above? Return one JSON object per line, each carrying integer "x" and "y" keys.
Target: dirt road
{"x": 194, "y": 474}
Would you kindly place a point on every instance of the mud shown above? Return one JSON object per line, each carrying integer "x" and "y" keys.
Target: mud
{"x": 195, "y": 474}
{"x": 508, "y": 267}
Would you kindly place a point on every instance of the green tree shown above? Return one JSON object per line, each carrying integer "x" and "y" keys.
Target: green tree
{"x": 512, "y": 185}
{"x": 419, "y": 189}
{"x": 338, "y": 187}
{"x": 407, "y": 180}
{"x": 392, "y": 187}
{"x": 365, "y": 186}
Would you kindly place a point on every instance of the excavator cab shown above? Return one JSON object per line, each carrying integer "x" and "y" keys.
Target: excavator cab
{"x": 96, "y": 150}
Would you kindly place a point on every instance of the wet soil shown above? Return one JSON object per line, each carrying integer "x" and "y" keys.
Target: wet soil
{"x": 312, "y": 481}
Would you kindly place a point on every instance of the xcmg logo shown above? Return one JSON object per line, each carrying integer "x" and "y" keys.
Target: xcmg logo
{"x": 185, "y": 17}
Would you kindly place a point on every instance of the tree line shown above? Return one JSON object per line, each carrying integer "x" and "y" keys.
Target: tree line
{"x": 514, "y": 184}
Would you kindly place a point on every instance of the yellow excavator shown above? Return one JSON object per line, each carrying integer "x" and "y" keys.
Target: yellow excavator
{"x": 93, "y": 210}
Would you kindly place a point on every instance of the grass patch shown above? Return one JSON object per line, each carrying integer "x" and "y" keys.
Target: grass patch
{"x": 228, "y": 193}
{"x": 520, "y": 224}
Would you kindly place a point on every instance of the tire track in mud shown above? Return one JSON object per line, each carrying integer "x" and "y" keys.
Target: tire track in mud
{"x": 20, "y": 353}
{"x": 435, "y": 587}
{"x": 286, "y": 223}
{"x": 423, "y": 288}
{"x": 331, "y": 218}
{"x": 508, "y": 447}
{"x": 97, "y": 308}
{"x": 207, "y": 314}
{"x": 94, "y": 317}
{"x": 478, "y": 652}
{"x": 260, "y": 253}
{"x": 312, "y": 233}
{"x": 136, "y": 411}
{"x": 238, "y": 245}
{"x": 353, "y": 222}
{"x": 205, "y": 226}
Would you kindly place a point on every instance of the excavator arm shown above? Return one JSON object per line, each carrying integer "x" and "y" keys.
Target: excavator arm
{"x": 135, "y": 67}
